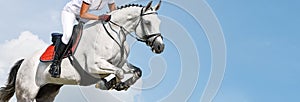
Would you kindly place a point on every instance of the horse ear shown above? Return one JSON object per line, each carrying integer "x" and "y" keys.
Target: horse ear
{"x": 158, "y": 5}
{"x": 148, "y": 6}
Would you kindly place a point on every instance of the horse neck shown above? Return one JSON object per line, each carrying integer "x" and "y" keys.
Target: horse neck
{"x": 126, "y": 17}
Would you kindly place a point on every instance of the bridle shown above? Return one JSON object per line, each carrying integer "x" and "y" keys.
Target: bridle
{"x": 146, "y": 38}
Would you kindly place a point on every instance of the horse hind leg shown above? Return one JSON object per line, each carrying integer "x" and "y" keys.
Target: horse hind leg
{"x": 48, "y": 92}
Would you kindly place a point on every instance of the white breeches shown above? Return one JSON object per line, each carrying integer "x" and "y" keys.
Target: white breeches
{"x": 68, "y": 19}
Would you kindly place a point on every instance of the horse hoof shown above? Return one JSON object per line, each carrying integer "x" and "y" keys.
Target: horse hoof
{"x": 122, "y": 86}
{"x": 138, "y": 72}
{"x": 101, "y": 85}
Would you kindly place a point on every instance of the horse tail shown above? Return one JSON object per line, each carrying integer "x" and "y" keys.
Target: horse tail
{"x": 8, "y": 91}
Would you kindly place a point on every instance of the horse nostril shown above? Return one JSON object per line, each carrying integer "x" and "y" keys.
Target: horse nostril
{"x": 158, "y": 47}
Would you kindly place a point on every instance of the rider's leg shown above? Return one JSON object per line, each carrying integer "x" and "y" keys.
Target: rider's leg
{"x": 59, "y": 52}
{"x": 68, "y": 20}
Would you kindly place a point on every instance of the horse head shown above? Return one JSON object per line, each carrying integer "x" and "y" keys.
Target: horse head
{"x": 148, "y": 28}
{"x": 145, "y": 23}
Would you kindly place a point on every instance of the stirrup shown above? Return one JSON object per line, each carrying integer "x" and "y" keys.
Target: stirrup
{"x": 54, "y": 70}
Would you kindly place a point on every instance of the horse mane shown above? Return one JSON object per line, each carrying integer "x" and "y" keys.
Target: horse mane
{"x": 129, "y": 5}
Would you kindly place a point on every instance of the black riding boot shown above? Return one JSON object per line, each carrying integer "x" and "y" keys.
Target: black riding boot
{"x": 60, "y": 49}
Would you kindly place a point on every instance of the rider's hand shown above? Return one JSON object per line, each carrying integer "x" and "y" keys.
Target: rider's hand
{"x": 105, "y": 18}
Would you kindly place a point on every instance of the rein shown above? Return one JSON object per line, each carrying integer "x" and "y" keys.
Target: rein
{"x": 144, "y": 39}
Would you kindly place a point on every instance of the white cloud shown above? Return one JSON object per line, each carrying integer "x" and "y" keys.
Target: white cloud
{"x": 15, "y": 49}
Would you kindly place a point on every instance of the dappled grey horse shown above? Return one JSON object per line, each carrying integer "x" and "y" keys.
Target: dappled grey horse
{"x": 102, "y": 51}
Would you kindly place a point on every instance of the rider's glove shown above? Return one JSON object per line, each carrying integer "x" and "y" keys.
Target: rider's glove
{"x": 104, "y": 17}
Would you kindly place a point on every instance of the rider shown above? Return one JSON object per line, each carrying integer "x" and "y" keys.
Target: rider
{"x": 73, "y": 10}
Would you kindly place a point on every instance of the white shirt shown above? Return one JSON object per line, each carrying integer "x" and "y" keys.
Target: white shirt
{"x": 75, "y": 5}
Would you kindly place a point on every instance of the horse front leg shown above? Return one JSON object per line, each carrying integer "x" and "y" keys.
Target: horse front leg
{"x": 129, "y": 69}
{"x": 107, "y": 68}
{"x": 104, "y": 67}
{"x": 118, "y": 85}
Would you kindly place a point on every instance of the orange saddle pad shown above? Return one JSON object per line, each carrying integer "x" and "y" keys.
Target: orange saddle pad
{"x": 48, "y": 55}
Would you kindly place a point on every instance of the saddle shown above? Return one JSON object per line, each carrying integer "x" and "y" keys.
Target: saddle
{"x": 48, "y": 55}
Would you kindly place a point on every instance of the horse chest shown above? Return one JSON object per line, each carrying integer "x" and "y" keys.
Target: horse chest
{"x": 119, "y": 55}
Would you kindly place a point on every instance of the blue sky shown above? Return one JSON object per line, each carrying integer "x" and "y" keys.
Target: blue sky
{"x": 262, "y": 48}
{"x": 262, "y": 38}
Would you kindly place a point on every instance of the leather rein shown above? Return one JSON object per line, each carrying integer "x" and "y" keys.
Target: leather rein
{"x": 144, "y": 39}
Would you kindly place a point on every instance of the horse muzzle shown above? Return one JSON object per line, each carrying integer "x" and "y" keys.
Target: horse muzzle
{"x": 157, "y": 45}
{"x": 158, "y": 48}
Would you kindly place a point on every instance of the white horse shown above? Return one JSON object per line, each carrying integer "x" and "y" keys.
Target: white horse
{"x": 102, "y": 51}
